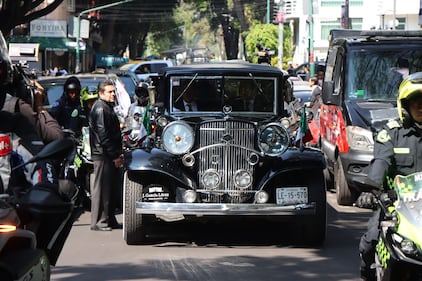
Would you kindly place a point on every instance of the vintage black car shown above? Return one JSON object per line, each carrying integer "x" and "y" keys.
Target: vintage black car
{"x": 231, "y": 156}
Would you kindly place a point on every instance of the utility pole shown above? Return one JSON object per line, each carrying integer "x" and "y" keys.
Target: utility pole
{"x": 78, "y": 37}
{"x": 311, "y": 39}
{"x": 345, "y": 20}
{"x": 280, "y": 21}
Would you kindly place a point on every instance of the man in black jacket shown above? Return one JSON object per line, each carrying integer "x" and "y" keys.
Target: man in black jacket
{"x": 106, "y": 150}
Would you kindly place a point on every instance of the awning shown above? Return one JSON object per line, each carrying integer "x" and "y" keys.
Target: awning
{"x": 48, "y": 43}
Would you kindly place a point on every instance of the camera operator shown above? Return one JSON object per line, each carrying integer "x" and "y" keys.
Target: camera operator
{"x": 23, "y": 131}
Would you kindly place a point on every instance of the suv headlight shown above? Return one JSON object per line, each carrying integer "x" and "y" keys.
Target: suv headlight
{"x": 177, "y": 137}
{"x": 273, "y": 139}
{"x": 359, "y": 138}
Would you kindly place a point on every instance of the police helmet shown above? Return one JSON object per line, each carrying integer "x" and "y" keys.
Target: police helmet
{"x": 141, "y": 94}
{"x": 72, "y": 84}
{"x": 410, "y": 87}
{"x": 141, "y": 89}
{"x": 89, "y": 93}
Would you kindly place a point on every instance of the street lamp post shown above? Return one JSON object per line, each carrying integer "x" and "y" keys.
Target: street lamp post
{"x": 78, "y": 36}
{"x": 311, "y": 39}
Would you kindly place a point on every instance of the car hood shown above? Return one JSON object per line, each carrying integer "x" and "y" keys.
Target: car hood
{"x": 371, "y": 114}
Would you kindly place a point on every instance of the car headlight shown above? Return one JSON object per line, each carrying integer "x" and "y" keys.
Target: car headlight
{"x": 177, "y": 137}
{"x": 285, "y": 122}
{"x": 162, "y": 121}
{"x": 273, "y": 139}
{"x": 359, "y": 138}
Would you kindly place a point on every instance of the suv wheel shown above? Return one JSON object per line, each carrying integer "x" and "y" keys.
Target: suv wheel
{"x": 344, "y": 195}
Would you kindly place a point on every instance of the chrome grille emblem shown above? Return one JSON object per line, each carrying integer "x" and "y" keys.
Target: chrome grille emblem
{"x": 227, "y": 138}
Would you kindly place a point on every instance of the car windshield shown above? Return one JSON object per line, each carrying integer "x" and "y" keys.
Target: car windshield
{"x": 212, "y": 94}
{"x": 375, "y": 73}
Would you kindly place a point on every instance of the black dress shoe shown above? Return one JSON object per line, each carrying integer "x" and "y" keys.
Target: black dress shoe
{"x": 116, "y": 226}
{"x": 101, "y": 228}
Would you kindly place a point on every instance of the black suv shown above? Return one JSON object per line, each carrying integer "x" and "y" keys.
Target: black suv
{"x": 227, "y": 154}
{"x": 364, "y": 69}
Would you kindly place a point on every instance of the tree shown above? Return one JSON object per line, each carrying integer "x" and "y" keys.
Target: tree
{"x": 137, "y": 18}
{"x": 267, "y": 36}
{"x": 14, "y": 13}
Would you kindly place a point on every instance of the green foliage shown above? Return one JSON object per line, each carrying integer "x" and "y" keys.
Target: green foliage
{"x": 163, "y": 36}
{"x": 267, "y": 36}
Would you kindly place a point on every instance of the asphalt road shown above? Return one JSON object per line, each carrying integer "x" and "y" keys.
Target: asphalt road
{"x": 216, "y": 252}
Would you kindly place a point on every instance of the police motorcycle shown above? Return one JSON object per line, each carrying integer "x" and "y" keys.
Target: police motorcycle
{"x": 35, "y": 222}
{"x": 83, "y": 166}
{"x": 398, "y": 254}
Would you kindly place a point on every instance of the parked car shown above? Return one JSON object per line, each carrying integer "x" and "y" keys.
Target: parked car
{"x": 53, "y": 86}
{"x": 232, "y": 158}
{"x": 143, "y": 70}
{"x": 302, "y": 91}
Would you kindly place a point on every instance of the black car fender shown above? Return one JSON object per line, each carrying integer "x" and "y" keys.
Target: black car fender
{"x": 293, "y": 161}
{"x": 157, "y": 161}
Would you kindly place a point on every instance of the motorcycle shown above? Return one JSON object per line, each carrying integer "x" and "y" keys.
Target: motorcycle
{"x": 35, "y": 222}
{"x": 83, "y": 165}
{"x": 398, "y": 253}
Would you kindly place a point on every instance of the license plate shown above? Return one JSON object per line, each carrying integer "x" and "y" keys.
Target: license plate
{"x": 292, "y": 195}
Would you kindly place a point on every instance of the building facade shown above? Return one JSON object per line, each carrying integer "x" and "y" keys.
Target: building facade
{"x": 325, "y": 15}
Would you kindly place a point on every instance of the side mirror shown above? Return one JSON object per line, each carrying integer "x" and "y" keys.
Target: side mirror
{"x": 328, "y": 94}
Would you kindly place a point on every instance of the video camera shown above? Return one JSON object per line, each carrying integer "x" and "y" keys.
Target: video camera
{"x": 264, "y": 54}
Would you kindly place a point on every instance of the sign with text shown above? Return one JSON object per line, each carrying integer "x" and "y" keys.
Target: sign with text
{"x": 48, "y": 28}
{"x": 73, "y": 28}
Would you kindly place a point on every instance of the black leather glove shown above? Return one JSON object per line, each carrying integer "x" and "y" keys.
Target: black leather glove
{"x": 366, "y": 200}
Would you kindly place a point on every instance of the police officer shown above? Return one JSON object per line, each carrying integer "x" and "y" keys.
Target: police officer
{"x": 397, "y": 151}
{"x": 88, "y": 97}
{"x": 67, "y": 110}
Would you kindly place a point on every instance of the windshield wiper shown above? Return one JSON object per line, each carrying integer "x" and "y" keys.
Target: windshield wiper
{"x": 186, "y": 88}
{"x": 261, "y": 92}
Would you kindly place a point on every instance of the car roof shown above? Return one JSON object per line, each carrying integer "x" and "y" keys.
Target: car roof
{"x": 130, "y": 66}
{"x": 80, "y": 76}
{"x": 301, "y": 86}
{"x": 224, "y": 68}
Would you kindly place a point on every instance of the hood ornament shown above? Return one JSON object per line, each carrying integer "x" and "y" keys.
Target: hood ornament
{"x": 227, "y": 109}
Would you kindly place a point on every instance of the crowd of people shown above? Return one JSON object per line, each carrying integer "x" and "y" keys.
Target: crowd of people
{"x": 27, "y": 127}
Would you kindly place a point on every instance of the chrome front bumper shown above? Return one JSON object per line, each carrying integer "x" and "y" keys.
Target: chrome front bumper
{"x": 203, "y": 209}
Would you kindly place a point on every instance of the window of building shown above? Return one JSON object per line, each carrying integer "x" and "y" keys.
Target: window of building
{"x": 326, "y": 26}
{"x": 402, "y": 24}
{"x": 337, "y": 3}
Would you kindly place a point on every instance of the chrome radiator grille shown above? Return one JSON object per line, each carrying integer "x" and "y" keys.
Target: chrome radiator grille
{"x": 226, "y": 158}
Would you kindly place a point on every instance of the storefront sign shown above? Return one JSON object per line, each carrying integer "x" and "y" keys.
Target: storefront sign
{"x": 23, "y": 51}
{"x": 48, "y": 28}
